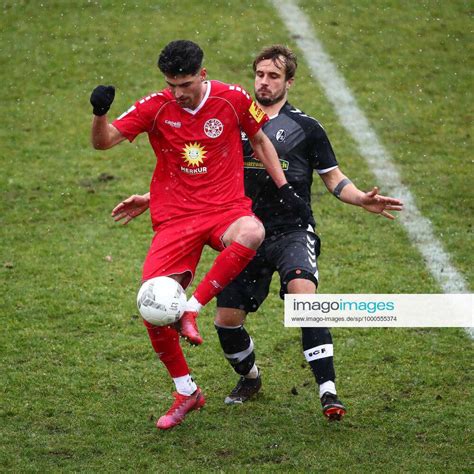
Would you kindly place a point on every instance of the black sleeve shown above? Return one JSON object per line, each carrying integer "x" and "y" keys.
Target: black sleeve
{"x": 321, "y": 152}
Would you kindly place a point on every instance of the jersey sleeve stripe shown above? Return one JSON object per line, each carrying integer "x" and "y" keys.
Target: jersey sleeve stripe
{"x": 327, "y": 170}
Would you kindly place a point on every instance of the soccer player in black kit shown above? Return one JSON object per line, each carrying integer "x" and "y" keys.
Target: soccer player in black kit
{"x": 291, "y": 246}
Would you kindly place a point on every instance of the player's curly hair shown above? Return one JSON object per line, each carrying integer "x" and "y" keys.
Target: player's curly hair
{"x": 180, "y": 58}
{"x": 279, "y": 55}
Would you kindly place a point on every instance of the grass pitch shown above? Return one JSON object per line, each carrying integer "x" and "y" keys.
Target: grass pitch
{"x": 81, "y": 388}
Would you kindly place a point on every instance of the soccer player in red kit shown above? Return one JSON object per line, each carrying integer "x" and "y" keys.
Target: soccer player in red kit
{"x": 196, "y": 192}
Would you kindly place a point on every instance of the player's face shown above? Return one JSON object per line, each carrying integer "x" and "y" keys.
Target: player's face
{"x": 271, "y": 85}
{"x": 188, "y": 90}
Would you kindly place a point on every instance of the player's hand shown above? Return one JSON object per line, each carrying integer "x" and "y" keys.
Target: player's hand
{"x": 293, "y": 202}
{"x": 374, "y": 202}
{"x": 130, "y": 208}
{"x": 102, "y": 98}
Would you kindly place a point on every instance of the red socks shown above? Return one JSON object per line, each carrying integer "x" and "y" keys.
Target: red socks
{"x": 165, "y": 341}
{"x": 228, "y": 264}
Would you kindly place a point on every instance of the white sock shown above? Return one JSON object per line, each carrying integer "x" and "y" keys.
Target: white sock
{"x": 193, "y": 305}
{"x": 328, "y": 386}
{"x": 185, "y": 385}
{"x": 253, "y": 373}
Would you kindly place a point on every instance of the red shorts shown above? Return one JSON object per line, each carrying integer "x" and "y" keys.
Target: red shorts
{"x": 177, "y": 244}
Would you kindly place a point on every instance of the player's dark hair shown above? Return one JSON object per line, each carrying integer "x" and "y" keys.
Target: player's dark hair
{"x": 180, "y": 58}
{"x": 280, "y": 56}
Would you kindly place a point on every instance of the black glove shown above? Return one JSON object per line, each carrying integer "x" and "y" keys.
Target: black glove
{"x": 102, "y": 98}
{"x": 292, "y": 202}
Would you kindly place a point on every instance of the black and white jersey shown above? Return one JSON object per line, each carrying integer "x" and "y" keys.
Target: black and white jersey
{"x": 302, "y": 146}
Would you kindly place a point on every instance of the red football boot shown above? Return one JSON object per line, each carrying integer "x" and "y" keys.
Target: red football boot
{"x": 181, "y": 406}
{"x": 188, "y": 327}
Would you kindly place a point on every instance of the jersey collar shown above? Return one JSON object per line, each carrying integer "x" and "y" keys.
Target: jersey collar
{"x": 203, "y": 101}
{"x": 279, "y": 112}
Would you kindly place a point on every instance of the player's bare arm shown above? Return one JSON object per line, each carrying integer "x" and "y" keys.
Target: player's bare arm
{"x": 103, "y": 134}
{"x": 341, "y": 186}
{"x": 266, "y": 153}
{"x": 131, "y": 207}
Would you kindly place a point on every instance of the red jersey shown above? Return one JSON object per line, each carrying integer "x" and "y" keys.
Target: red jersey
{"x": 199, "y": 152}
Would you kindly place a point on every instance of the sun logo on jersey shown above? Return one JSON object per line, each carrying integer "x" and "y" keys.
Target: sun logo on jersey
{"x": 193, "y": 154}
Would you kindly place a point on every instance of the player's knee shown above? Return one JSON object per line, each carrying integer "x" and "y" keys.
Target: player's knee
{"x": 251, "y": 233}
{"x": 229, "y": 317}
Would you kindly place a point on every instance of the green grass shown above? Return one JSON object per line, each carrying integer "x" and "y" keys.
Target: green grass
{"x": 81, "y": 387}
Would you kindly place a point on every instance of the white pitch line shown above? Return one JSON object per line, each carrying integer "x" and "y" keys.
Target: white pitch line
{"x": 378, "y": 158}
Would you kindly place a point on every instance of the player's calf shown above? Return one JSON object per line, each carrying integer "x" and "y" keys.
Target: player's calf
{"x": 238, "y": 350}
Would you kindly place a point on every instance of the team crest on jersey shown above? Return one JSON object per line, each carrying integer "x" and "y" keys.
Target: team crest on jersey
{"x": 193, "y": 155}
{"x": 213, "y": 128}
{"x": 256, "y": 112}
{"x": 280, "y": 135}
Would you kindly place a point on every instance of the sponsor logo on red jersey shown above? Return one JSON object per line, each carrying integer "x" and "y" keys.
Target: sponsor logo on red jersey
{"x": 171, "y": 123}
{"x": 194, "y": 155}
{"x": 256, "y": 112}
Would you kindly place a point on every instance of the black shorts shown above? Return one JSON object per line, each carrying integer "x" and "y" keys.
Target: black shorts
{"x": 293, "y": 255}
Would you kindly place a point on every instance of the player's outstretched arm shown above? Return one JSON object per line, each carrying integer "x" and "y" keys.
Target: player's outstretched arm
{"x": 338, "y": 184}
{"x": 103, "y": 134}
{"x": 130, "y": 208}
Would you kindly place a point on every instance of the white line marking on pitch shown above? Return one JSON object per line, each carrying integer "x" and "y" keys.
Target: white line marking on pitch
{"x": 353, "y": 119}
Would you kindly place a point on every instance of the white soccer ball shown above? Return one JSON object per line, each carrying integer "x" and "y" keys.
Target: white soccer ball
{"x": 161, "y": 301}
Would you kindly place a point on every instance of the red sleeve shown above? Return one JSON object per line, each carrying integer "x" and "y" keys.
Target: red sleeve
{"x": 251, "y": 116}
{"x": 130, "y": 123}
{"x": 138, "y": 118}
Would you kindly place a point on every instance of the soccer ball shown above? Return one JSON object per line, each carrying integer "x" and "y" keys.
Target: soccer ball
{"x": 161, "y": 301}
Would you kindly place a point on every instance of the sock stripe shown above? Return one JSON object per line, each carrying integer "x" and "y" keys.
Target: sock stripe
{"x": 319, "y": 352}
{"x": 240, "y": 356}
